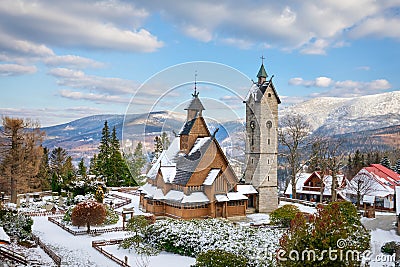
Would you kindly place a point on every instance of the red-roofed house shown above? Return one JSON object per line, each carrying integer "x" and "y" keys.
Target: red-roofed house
{"x": 374, "y": 181}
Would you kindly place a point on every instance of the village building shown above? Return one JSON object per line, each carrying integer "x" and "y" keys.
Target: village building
{"x": 310, "y": 186}
{"x": 261, "y": 169}
{"x": 193, "y": 178}
{"x": 374, "y": 185}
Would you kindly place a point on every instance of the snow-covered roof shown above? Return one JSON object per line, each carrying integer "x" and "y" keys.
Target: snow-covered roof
{"x": 211, "y": 176}
{"x": 200, "y": 142}
{"x": 168, "y": 173}
{"x": 195, "y": 197}
{"x": 174, "y": 195}
{"x": 255, "y": 92}
{"x": 368, "y": 199}
{"x": 246, "y": 189}
{"x": 221, "y": 198}
{"x": 4, "y": 236}
{"x": 236, "y": 196}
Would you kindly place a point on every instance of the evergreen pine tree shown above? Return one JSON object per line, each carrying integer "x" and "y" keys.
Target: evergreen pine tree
{"x": 158, "y": 148}
{"x": 82, "y": 170}
{"x": 103, "y": 158}
{"x": 385, "y": 162}
{"x": 397, "y": 166}
{"x": 93, "y": 169}
{"x": 44, "y": 174}
{"x": 137, "y": 162}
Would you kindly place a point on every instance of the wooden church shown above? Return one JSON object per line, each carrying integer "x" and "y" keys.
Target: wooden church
{"x": 193, "y": 178}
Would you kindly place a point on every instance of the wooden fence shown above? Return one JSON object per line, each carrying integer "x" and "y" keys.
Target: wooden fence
{"x": 101, "y": 243}
{"x": 52, "y": 255}
{"x": 56, "y": 221}
{"x": 44, "y": 213}
{"x": 126, "y": 201}
{"x": 12, "y": 255}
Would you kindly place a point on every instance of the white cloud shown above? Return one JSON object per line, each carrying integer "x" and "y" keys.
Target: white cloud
{"x": 309, "y": 26}
{"x": 78, "y": 79}
{"x": 347, "y": 88}
{"x": 318, "y": 47}
{"x": 366, "y": 68}
{"x": 317, "y": 82}
{"x": 14, "y": 69}
{"x": 103, "y": 25}
{"x": 72, "y": 61}
{"x": 198, "y": 33}
{"x": 51, "y": 116}
{"x": 97, "y": 98}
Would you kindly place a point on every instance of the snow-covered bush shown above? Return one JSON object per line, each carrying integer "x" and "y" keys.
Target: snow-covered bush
{"x": 193, "y": 237}
{"x": 284, "y": 215}
{"x": 16, "y": 224}
{"x": 111, "y": 216}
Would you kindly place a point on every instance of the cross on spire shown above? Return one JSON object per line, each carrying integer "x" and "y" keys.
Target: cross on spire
{"x": 195, "y": 85}
{"x": 262, "y": 59}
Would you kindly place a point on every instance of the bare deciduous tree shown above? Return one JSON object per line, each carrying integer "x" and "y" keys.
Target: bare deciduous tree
{"x": 292, "y": 136}
{"x": 362, "y": 184}
{"x": 329, "y": 160}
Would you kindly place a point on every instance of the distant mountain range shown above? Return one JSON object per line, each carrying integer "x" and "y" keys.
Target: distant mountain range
{"x": 367, "y": 122}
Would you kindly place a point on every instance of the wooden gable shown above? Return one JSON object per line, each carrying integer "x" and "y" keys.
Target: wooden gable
{"x": 198, "y": 129}
{"x": 213, "y": 158}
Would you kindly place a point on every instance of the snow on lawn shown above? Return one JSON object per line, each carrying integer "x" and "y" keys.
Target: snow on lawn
{"x": 303, "y": 208}
{"x": 162, "y": 259}
{"x": 378, "y": 238}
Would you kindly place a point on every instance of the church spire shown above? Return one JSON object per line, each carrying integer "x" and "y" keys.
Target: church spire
{"x": 195, "y": 94}
{"x": 262, "y": 74}
{"x": 195, "y": 107}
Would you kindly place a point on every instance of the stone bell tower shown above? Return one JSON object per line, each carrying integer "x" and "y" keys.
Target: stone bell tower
{"x": 262, "y": 141}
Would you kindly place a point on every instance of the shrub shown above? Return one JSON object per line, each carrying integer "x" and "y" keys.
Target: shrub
{"x": 284, "y": 215}
{"x": 334, "y": 227}
{"x": 67, "y": 215}
{"x": 88, "y": 213}
{"x": 390, "y": 247}
{"x": 220, "y": 258}
{"x": 17, "y": 225}
{"x": 111, "y": 216}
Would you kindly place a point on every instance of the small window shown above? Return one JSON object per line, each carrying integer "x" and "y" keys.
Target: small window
{"x": 268, "y": 161}
{"x": 268, "y": 178}
{"x": 269, "y": 94}
{"x": 252, "y": 161}
{"x": 269, "y": 141}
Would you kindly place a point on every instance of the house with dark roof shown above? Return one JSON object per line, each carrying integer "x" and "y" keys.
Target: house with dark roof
{"x": 193, "y": 178}
{"x": 313, "y": 186}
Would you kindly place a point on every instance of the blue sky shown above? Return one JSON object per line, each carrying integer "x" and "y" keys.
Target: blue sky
{"x": 62, "y": 60}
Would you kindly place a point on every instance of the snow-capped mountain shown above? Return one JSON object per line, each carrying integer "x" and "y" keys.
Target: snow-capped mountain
{"x": 330, "y": 115}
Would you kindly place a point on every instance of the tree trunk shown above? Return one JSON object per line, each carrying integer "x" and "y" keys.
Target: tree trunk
{"x": 88, "y": 228}
{"x": 333, "y": 190}
{"x": 294, "y": 186}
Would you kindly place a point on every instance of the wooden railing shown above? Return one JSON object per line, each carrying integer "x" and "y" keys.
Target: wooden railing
{"x": 126, "y": 201}
{"x": 12, "y": 255}
{"x": 45, "y": 213}
{"x": 51, "y": 253}
{"x": 56, "y": 221}
{"x": 101, "y": 243}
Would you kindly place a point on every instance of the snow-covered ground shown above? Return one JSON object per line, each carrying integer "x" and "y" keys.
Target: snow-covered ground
{"x": 78, "y": 251}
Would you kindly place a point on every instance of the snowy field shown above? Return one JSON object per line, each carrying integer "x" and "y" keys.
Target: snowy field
{"x": 77, "y": 250}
